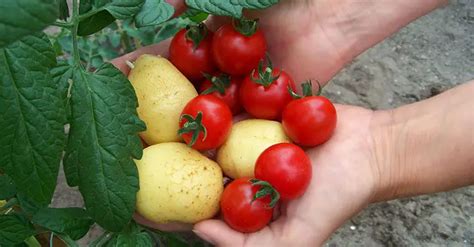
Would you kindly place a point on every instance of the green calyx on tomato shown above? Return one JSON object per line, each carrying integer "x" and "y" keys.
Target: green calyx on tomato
{"x": 194, "y": 126}
{"x": 245, "y": 27}
{"x": 196, "y": 33}
{"x": 266, "y": 189}
{"x": 307, "y": 90}
{"x": 265, "y": 76}
{"x": 219, "y": 83}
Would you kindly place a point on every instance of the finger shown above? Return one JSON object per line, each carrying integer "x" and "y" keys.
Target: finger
{"x": 169, "y": 227}
{"x": 157, "y": 49}
{"x": 218, "y": 233}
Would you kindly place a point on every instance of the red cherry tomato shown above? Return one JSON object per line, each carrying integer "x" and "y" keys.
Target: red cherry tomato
{"x": 268, "y": 98}
{"x": 225, "y": 88}
{"x": 190, "y": 52}
{"x": 205, "y": 122}
{"x": 240, "y": 211}
{"x": 236, "y": 53}
{"x": 287, "y": 168}
{"x": 309, "y": 121}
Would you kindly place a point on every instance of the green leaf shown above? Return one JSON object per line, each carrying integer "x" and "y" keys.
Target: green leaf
{"x": 107, "y": 12}
{"x": 74, "y": 222}
{"x": 19, "y": 18}
{"x": 138, "y": 239}
{"x": 231, "y": 8}
{"x": 216, "y": 7}
{"x": 121, "y": 9}
{"x": 132, "y": 235}
{"x": 254, "y": 4}
{"x": 29, "y": 206}
{"x": 33, "y": 117}
{"x": 7, "y": 187}
{"x": 14, "y": 229}
{"x": 95, "y": 23}
{"x": 153, "y": 12}
{"x": 103, "y": 141}
{"x": 63, "y": 10}
{"x": 195, "y": 15}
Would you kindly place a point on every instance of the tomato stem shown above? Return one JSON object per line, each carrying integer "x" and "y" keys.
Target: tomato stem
{"x": 218, "y": 83}
{"x": 245, "y": 27}
{"x": 307, "y": 90}
{"x": 196, "y": 34}
{"x": 264, "y": 190}
{"x": 265, "y": 76}
{"x": 194, "y": 126}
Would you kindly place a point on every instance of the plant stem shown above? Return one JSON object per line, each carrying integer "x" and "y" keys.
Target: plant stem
{"x": 32, "y": 242}
{"x": 63, "y": 24}
{"x": 75, "y": 21}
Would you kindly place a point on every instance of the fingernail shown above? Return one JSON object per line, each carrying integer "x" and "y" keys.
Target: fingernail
{"x": 204, "y": 237}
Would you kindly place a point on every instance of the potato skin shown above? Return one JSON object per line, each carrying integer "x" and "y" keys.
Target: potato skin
{"x": 247, "y": 140}
{"x": 162, "y": 92}
{"x": 177, "y": 184}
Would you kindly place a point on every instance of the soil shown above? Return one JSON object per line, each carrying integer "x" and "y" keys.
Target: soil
{"x": 431, "y": 55}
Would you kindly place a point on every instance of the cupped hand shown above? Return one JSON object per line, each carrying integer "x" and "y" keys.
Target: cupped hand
{"x": 345, "y": 180}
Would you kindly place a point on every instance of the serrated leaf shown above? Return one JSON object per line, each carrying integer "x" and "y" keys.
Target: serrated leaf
{"x": 122, "y": 9}
{"x": 63, "y": 10}
{"x": 29, "y": 206}
{"x": 74, "y": 222}
{"x": 254, "y": 4}
{"x": 216, "y": 7}
{"x": 33, "y": 117}
{"x": 14, "y": 229}
{"x": 7, "y": 187}
{"x": 103, "y": 141}
{"x": 19, "y": 18}
{"x": 139, "y": 239}
{"x": 154, "y": 12}
{"x": 132, "y": 235}
{"x": 95, "y": 23}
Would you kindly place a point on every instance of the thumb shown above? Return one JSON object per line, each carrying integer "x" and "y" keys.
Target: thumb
{"x": 217, "y": 232}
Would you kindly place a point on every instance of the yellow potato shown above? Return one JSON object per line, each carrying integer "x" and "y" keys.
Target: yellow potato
{"x": 177, "y": 184}
{"x": 162, "y": 93}
{"x": 247, "y": 140}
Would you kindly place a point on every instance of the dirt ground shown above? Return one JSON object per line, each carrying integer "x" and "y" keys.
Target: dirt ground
{"x": 431, "y": 55}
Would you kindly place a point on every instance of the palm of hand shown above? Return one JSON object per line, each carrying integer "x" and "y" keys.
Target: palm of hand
{"x": 342, "y": 184}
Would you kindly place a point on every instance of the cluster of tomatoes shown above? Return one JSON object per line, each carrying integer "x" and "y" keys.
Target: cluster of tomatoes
{"x": 228, "y": 69}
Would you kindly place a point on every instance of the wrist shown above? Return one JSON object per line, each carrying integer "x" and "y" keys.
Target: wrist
{"x": 386, "y": 157}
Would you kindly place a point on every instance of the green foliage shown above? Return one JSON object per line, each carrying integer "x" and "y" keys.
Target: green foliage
{"x": 14, "y": 229}
{"x": 74, "y": 222}
{"x": 23, "y": 17}
{"x": 47, "y": 83}
{"x": 154, "y": 12}
{"x": 31, "y": 127}
{"x": 8, "y": 188}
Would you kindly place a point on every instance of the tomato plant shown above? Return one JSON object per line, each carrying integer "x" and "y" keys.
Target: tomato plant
{"x": 205, "y": 122}
{"x": 286, "y": 167}
{"x": 309, "y": 120}
{"x": 247, "y": 204}
{"x": 237, "y": 48}
{"x": 61, "y": 80}
{"x": 264, "y": 93}
{"x": 190, "y": 52}
{"x": 225, "y": 88}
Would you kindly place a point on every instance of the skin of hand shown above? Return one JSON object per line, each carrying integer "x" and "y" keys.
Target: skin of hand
{"x": 347, "y": 175}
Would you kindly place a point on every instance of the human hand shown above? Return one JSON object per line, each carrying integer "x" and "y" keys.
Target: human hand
{"x": 345, "y": 180}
